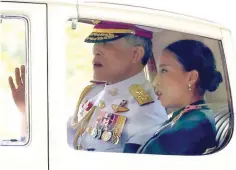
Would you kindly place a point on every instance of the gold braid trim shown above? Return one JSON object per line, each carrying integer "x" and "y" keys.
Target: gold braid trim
{"x": 82, "y": 95}
{"x": 82, "y": 126}
{"x": 108, "y": 30}
{"x": 191, "y": 107}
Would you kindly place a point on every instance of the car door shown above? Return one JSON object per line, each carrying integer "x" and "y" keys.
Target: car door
{"x": 24, "y": 42}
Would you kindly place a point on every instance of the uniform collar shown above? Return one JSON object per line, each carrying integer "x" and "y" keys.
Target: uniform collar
{"x": 123, "y": 85}
{"x": 195, "y": 103}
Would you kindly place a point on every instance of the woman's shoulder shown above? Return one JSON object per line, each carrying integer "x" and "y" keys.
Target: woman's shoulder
{"x": 201, "y": 113}
{"x": 197, "y": 117}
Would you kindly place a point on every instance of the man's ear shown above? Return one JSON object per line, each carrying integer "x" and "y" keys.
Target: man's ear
{"x": 193, "y": 77}
{"x": 138, "y": 54}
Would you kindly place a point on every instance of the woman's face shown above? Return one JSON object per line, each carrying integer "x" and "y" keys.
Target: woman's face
{"x": 172, "y": 81}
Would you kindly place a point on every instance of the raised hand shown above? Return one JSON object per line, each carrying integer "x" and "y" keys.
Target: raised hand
{"x": 18, "y": 89}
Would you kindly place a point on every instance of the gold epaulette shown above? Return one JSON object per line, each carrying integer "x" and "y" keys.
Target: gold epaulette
{"x": 141, "y": 96}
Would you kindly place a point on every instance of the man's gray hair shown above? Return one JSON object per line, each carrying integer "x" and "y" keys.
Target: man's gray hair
{"x": 140, "y": 41}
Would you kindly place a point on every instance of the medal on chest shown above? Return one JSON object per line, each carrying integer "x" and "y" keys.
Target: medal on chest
{"x": 86, "y": 107}
{"x": 108, "y": 127}
{"x": 121, "y": 107}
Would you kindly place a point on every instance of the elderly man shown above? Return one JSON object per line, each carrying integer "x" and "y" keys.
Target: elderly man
{"x": 120, "y": 106}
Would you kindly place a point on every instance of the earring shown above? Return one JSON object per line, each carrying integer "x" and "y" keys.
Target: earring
{"x": 189, "y": 87}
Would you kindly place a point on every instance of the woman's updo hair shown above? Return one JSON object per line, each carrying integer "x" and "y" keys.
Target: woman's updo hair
{"x": 194, "y": 55}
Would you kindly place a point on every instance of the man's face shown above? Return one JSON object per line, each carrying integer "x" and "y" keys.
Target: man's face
{"x": 112, "y": 60}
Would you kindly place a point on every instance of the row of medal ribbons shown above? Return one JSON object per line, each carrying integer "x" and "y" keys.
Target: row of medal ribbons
{"x": 108, "y": 127}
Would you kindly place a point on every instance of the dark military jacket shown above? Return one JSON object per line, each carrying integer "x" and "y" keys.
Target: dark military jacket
{"x": 192, "y": 134}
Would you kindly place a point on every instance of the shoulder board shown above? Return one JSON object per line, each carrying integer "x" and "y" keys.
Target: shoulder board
{"x": 141, "y": 96}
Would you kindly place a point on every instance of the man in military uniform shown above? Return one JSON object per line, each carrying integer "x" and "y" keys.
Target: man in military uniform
{"x": 120, "y": 106}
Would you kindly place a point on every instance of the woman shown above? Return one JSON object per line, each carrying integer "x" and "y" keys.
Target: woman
{"x": 186, "y": 69}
